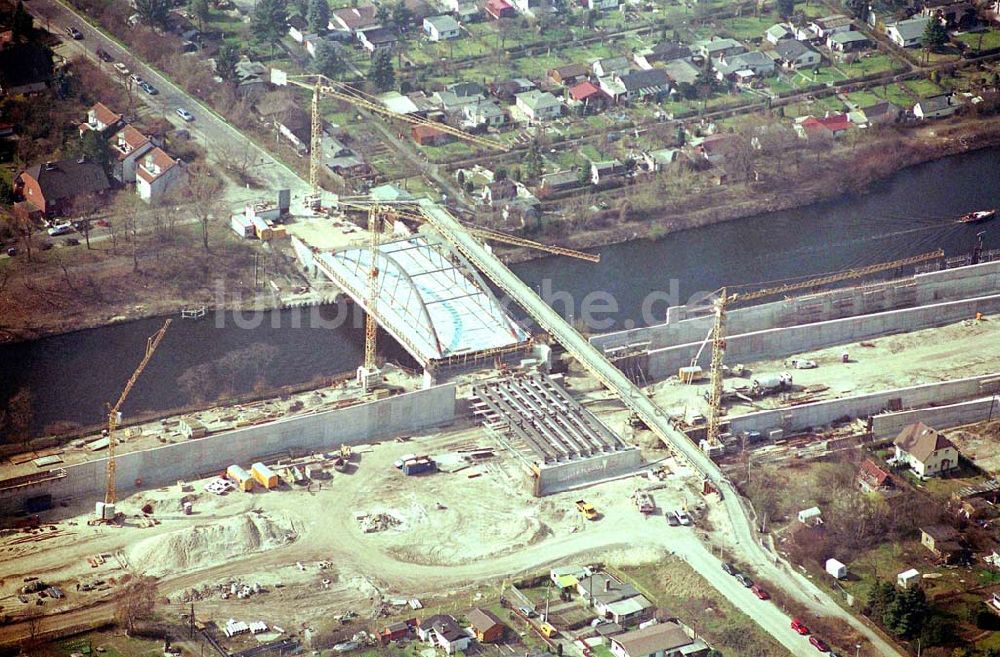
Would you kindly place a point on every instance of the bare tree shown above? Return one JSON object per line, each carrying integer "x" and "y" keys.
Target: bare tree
{"x": 84, "y": 207}
{"x": 24, "y": 227}
{"x": 15, "y": 421}
{"x": 203, "y": 192}
{"x": 135, "y": 601}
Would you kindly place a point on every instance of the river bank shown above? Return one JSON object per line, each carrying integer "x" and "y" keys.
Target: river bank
{"x": 850, "y": 171}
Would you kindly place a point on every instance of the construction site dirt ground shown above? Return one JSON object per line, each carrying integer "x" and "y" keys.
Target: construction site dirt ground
{"x": 965, "y": 349}
{"x": 442, "y": 532}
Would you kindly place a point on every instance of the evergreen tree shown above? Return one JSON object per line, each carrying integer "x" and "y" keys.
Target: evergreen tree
{"x": 269, "y": 21}
{"x": 226, "y": 61}
{"x": 533, "y": 162}
{"x": 153, "y": 12}
{"x": 906, "y": 613}
{"x": 21, "y": 24}
{"x": 95, "y": 148}
{"x": 880, "y": 596}
{"x": 383, "y": 14}
{"x": 200, "y": 10}
{"x": 328, "y": 61}
{"x": 318, "y": 15}
{"x": 381, "y": 73}
{"x": 401, "y": 15}
{"x": 786, "y": 8}
{"x": 935, "y": 35}
{"x": 858, "y": 9}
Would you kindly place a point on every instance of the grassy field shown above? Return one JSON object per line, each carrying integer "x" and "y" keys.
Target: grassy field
{"x": 747, "y": 27}
{"x": 869, "y": 66}
{"x": 981, "y": 40}
{"x": 922, "y": 88}
{"x": 113, "y": 645}
{"x": 895, "y": 94}
{"x": 674, "y": 585}
{"x": 863, "y": 98}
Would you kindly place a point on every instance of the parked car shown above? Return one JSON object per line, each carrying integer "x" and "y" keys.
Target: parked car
{"x": 184, "y": 114}
{"x": 104, "y": 55}
{"x": 136, "y": 79}
{"x": 803, "y": 364}
{"x": 527, "y": 611}
{"x": 46, "y": 245}
{"x": 744, "y": 580}
{"x": 75, "y": 33}
{"x": 121, "y": 68}
{"x": 799, "y": 627}
{"x": 672, "y": 520}
{"x": 729, "y": 568}
{"x": 61, "y": 229}
{"x": 759, "y": 592}
{"x": 148, "y": 88}
{"x": 71, "y": 241}
{"x": 819, "y": 644}
{"x": 682, "y": 517}
{"x": 12, "y": 251}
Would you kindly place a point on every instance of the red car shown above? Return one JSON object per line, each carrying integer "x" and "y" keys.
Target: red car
{"x": 799, "y": 627}
{"x": 760, "y": 593}
{"x": 819, "y": 644}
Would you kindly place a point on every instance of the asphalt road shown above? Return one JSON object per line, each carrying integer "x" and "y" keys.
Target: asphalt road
{"x": 216, "y": 135}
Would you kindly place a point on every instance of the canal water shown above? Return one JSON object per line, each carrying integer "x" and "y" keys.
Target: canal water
{"x": 72, "y": 376}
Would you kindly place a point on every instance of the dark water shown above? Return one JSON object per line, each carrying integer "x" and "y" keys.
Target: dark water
{"x": 72, "y": 376}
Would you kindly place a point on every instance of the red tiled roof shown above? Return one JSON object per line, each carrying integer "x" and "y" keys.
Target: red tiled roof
{"x": 873, "y": 475}
{"x": 498, "y": 5}
{"x": 835, "y": 122}
{"x": 105, "y": 115}
{"x": 584, "y": 90}
{"x": 356, "y": 17}
{"x": 920, "y": 441}
{"x": 133, "y": 139}
{"x": 426, "y": 131}
{"x": 154, "y": 158}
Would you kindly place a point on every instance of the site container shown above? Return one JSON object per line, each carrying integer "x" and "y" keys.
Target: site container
{"x": 690, "y": 374}
{"x": 240, "y": 477}
{"x": 264, "y": 476}
{"x": 418, "y": 466}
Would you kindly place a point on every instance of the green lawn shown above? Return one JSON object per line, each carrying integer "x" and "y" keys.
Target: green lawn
{"x": 981, "y": 40}
{"x": 863, "y": 98}
{"x": 922, "y": 88}
{"x": 746, "y": 27}
{"x": 869, "y": 66}
{"x": 895, "y": 94}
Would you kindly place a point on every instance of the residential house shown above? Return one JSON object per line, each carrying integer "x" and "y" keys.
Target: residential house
{"x": 613, "y": 88}
{"x": 778, "y": 32}
{"x": 311, "y": 42}
{"x": 352, "y": 19}
{"x": 52, "y": 187}
{"x": 757, "y": 63}
{"x": 527, "y": 7}
{"x": 601, "y": 588}
{"x": 935, "y": 107}
{"x": 470, "y": 89}
{"x": 441, "y": 28}
{"x": 508, "y": 89}
{"x": 560, "y": 180}
{"x": 567, "y": 577}
{"x": 101, "y": 119}
{"x": 377, "y": 38}
{"x": 926, "y": 451}
{"x": 397, "y": 631}
{"x": 664, "y": 51}
{"x": 419, "y": 10}
{"x": 977, "y": 509}
{"x": 484, "y": 113}
{"x": 659, "y": 640}
{"x": 567, "y": 75}
{"x": 602, "y": 173}
{"x": 653, "y": 83}
{"x": 681, "y": 70}
{"x": 716, "y": 148}
{"x": 251, "y": 77}
{"x": 443, "y": 631}
{"x": 943, "y": 541}
{"x": 340, "y": 159}
{"x": 25, "y": 68}
{"x": 610, "y": 66}
{"x": 718, "y": 47}
{"x": 486, "y": 625}
{"x": 588, "y": 94}
{"x": 831, "y": 126}
{"x": 850, "y": 41}
{"x": 908, "y": 33}
{"x": 958, "y": 15}
{"x": 427, "y": 135}
{"x": 537, "y": 105}
{"x": 795, "y": 54}
{"x": 498, "y": 9}
{"x": 297, "y": 27}
{"x": 602, "y": 5}
{"x": 497, "y": 191}
{"x": 295, "y": 125}
{"x": 824, "y": 27}
{"x": 630, "y": 611}
{"x": 658, "y": 160}
{"x": 872, "y": 478}
{"x": 128, "y": 145}
{"x": 156, "y": 174}
{"x": 467, "y": 12}
{"x": 451, "y": 103}
{"x": 884, "y": 112}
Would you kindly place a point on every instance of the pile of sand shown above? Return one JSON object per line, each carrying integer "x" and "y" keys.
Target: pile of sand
{"x": 204, "y": 546}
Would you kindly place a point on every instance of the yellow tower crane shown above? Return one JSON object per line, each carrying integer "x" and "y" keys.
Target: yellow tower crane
{"x": 323, "y": 87}
{"x": 107, "y": 510}
{"x": 726, "y": 299}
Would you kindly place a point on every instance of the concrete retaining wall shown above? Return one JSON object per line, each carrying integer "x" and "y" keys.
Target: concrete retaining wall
{"x": 782, "y": 342}
{"x": 690, "y": 324}
{"x": 819, "y": 414}
{"x": 888, "y": 425}
{"x": 563, "y": 476}
{"x": 322, "y": 431}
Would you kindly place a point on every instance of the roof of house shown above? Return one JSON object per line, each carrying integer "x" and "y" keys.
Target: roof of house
{"x": 851, "y": 36}
{"x": 355, "y": 17}
{"x": 426, "y": 132}
{"x": 612, "y": 63}
{"x": 911, "y": 28}
{"x": 154, "y": 164}
{"x": 390, "y": 192}
{"x": 920, "y": 441}
{"x": 496, "y": 6}
{"x": 502, "y": 189}
{"x": 873, "y": 475}
{"x": 655, "y": 638}
{"x": 297, "y": 22}
{"x": 880, "y": 109}
{"x": 131, "y": 138}
{"x": 536, "y": 99}
{"x": 105, "y": 115}
{"x": 68, "y": 178}
{"x": 631, "y": 605}
{"x": 569, "y": 71}
{"x": 560, "y": 178}
{"x": 934, "y": 103}
{"x": 23, "y": 64}
{"x": 584, "y": 90}
{"x": 719, "y": 142}
{"x": 442, "y": 23}
{"x": 466, "y": 88}
{"x": 711, "y": 46}
{"x": 483, "y": 619}
{"x": 778, "y": 30}
{"x": 654, "y": 78}
{"x": 832, "y": 22}
{"x": 941, "y": 533}
{"x": 615, "y": 590}
{"x": 681, "y": 70}
{"x": 790, "y": 49}
{"x": 378, "y": 35}
{"x": 445, "y": 625}
{"x": 667, "y": 51}
{"x": 484, "y": 109}
{"x": 833, "y": 122}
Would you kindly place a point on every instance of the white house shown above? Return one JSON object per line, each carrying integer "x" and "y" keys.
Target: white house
{"x": 485, "y": 113}
{"x": 926, "y": 451}
{"x": 908, "y": 33}
{"x": 156, "y": 174}
{"x": 659, "y": 640}
{"x": 297, "y": 28}
{"x": 440, "y": 28}
{"x": 907, "y": 578}
{"x": 935, "y": 107}
{"x": 795, "y": 54}
{"x": 443, "y": 631}
{"x": 128, "y": 144}
{"x": 538, "y": 105}
{"x": 777, "y": 32}
{"x": 603, "y": 5}
{"x": 824, "y": 27}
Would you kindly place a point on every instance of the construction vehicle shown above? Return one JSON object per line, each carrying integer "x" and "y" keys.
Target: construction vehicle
{"x": 104, "y": 512}
{"x": 586, "y": 509}
{"x": 643, "y": 502}
{"x": 712, "y": 444}
{"x": 548, "y": 630}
